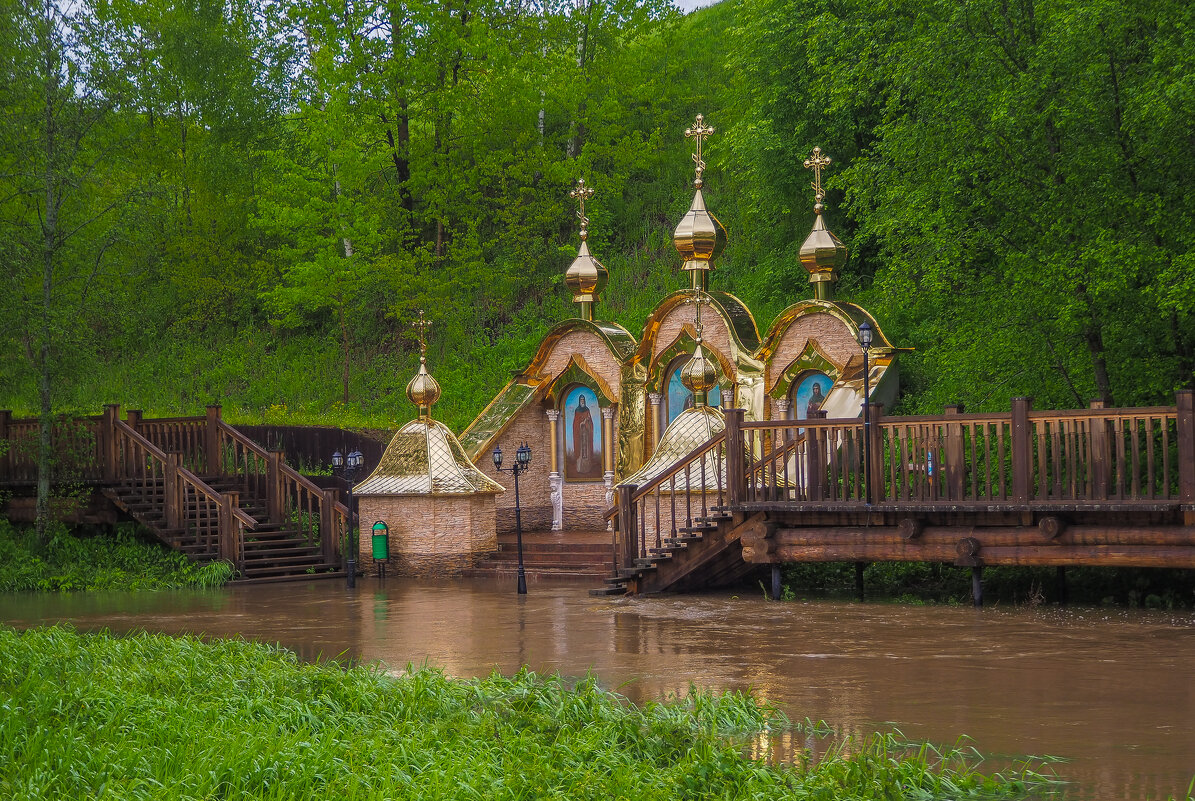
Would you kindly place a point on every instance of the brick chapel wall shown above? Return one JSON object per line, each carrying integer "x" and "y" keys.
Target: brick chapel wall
{"x": 713, "y": 329}
{"x": 530, "y": 426}
{"x": 429, "y": 535}
{"x": 831, "y": 334}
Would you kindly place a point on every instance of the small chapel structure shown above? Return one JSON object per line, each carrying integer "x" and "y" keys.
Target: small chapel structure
{"x": 596, "y": 403}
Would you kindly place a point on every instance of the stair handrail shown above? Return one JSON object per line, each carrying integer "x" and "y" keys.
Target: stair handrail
{"x": 175, "y": 477}
{"x": 675, "y": 468}
{"x": 334, "y": 515}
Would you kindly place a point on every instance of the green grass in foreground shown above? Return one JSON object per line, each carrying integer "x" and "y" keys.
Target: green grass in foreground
{"x": 156, "y": 717}
{"x": 117, "y": 561}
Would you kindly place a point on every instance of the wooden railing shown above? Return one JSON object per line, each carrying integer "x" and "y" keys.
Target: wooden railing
{"x": 670, "y": 505}
{"x": 1022, "y": 459}
{"x": 74, "y": 446}
{"x": 1133, "y": 459}
{"x": 291, "y": 497}
{"x": 193, "y": 513}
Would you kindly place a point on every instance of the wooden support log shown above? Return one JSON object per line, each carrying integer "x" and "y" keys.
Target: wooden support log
{"x": 1051, "y": 526}
{"x": 628, "y": 529}
{"x": 1040, "y": 555}
{"x": 909, "y": 528}
{"x": 1185, "y": 423}
{"x": 994, "y": 535}
{"x": 1022, "y": 451}
{"x": 736, "y": 475}
{"x": 967, "y": 552}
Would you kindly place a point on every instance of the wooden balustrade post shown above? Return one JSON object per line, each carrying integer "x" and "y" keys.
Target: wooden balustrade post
{"x": 955, "y": 454}
{"x": 1100, "y": 462}
{"x": 230, "y": 530}
{"x": 108, "y": 427}
{"x": 736, "y": 475}
{"x": 170, "y": 490}
{"x": 6, "y": 456}
{"x": 274, "y": 492}
{"x": 815, "y": 449}
{"x": 133, "y": 418}
{"x": 1185, "y": 402}
{"x": 1022, "y": 450}
{"x": 329, "y": 532}
{"x": 628, "y": 529}
{"x": 875, "y": 447}
{"x": 211, "y": 442}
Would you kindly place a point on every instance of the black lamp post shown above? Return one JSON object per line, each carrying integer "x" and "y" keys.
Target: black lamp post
{"x": 522, "y": 462}
{"x": 348, "y": 466}
{"x": 865, "y": 334}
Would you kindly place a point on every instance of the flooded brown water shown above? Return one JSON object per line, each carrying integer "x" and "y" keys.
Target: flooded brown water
{"x": 1110, "y": 690}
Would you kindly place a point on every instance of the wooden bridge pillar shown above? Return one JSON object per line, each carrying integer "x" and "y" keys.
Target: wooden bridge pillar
{"x": 274, "y": 492}
{"x": 1185, "y": 400}
{"x": 108, "y": 440}
{"x": 1022, "y": 450}
{"x": 211, "y": 441}
{"x": 230, "y": 530}
{"x": 815, "y": 451}
{"x": 1098, "y": 438}
{"x": 329, "y": 532}
{"x": 955, "y": 454}
{"x": 628, "y": 529}
{"x": 875, "y": 450}
{"x": 736, "y": 471}
{"x": 170, "y": 491}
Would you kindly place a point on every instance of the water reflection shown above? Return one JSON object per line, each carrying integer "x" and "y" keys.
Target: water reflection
{"x": 1109, "y": 690}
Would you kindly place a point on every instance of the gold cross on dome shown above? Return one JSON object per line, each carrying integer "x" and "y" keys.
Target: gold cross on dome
{"x": 699, "y": 131}
{"x": 422, "y": 324}
{"x": 581, "y": 194}
{"x": 701, "y": 299}
{"x": 817, "y": 162}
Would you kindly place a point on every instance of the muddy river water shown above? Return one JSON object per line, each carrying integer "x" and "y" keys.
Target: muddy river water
{"x": 1111, "y": 691}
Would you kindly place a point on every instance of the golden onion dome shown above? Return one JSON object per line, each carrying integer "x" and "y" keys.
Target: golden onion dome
{"x": 698, "y": 374}
{"x": 586, "y": 276}
{"x": 822, "y": 253}
{"x": 423, "y": 390}
{"x": 699, "y": 238}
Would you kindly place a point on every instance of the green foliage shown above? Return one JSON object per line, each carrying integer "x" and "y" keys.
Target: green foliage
{"x": 120, "y": 561}
{"x": 167, "y": 717}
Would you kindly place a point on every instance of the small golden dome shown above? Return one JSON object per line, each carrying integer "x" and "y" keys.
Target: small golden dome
{"x": 698, "y": 374}
{"x": 822, "y": 253}
{"x": 699, "y": 237}
{"x": 586, "y": 276}
{"x": 423, "y": 390}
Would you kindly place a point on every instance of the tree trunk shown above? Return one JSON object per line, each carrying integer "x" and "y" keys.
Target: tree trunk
{"x": 344, "y": 338}
{"x": 49, "y": 246}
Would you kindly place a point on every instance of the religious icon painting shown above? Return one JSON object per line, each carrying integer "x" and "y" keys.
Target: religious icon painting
{"x": 582, "y": 435}
{"x": 680, "y": 398}
{"x": 810, "y": 394}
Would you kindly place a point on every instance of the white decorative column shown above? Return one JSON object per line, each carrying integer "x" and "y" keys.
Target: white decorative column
{"x": 782, "y": 406}
{"x": 608, "y": 452}
{"x": 657, "y": 424}
{"x": 555, "y": 480}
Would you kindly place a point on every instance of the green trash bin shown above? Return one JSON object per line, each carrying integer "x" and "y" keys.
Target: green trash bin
{"x": 381, "y": 541}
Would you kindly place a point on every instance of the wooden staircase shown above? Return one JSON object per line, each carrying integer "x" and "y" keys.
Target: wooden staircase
{"x": 575, "y": 556}
{"x": 208, "y": 491}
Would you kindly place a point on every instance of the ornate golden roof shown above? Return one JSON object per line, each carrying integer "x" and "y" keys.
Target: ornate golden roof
{"x": 691, "y": 429}
{"x": 699, "y": 238}
{"x": 425, "y": 458}
{"x": 822, "y": 253}
{"x": 586, "y": 276}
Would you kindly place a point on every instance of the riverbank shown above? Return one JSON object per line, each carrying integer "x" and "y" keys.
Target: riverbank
{"x": 176, "y": 717}
{"x": 119, "y": 559}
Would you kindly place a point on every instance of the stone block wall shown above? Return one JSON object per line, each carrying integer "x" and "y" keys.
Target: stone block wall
{"x": 429, "y": 535}
{"x": 585, "y": 506}
{"x": 530, "y": 426}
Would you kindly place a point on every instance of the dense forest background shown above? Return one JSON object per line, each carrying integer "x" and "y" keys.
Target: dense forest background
{"x": 246, "y": 202}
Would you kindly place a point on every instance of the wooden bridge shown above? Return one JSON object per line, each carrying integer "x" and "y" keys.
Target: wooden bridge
{"x": 1096, "y": 486}
{"x": 198, "y": 484}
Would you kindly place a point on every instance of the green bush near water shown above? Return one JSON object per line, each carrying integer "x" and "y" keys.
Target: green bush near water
{"x": 120, "y": 561}
{"x": 156, "y": 717}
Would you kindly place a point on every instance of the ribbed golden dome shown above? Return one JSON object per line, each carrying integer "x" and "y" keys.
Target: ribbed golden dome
{"x": 698, "y": 374}
{"x": 423, "y": 390}
{"x": 699, "y": 238}
{"x": 822, "y": 253}
{"x": 586, "y": 276}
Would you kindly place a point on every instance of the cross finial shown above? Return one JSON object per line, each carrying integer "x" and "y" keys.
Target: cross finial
{"x": 700, "y": 299}
{"x": 581, "y": 194}
{"x": 817, "y": 162}
{"x": 699, "y": 132}
{"x": 422, "y": 324}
